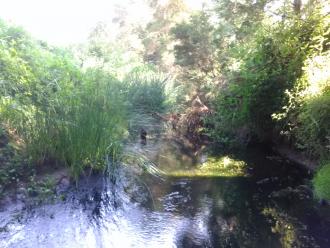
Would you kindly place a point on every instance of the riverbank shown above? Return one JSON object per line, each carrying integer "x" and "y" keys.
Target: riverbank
{"x": 22, "y": 182}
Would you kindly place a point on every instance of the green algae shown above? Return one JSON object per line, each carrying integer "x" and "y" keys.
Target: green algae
{"x": 223, "y": 166}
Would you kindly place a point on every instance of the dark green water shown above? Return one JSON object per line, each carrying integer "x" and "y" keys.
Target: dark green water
{"x": 268, "y": 206}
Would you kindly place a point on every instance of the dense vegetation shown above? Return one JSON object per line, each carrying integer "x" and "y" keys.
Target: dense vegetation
{"x": 54, "y": 112}
{"x": 261, "y": 66}
{"x": 269, "y": 72}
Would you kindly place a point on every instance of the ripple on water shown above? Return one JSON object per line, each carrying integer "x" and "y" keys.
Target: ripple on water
{"x": 145, "y": 211}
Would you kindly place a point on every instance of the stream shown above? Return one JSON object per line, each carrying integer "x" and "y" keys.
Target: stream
{"x": 182, "y": 203}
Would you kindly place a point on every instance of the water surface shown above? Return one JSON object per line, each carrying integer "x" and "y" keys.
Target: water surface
{"x": 266, "y": 206}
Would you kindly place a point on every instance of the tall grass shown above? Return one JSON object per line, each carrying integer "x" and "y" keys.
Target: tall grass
{"x": 66, "y": 115}
{"x": 145, "y": 93}
{"x": 76, "y": 122}
{"x": 86, "y": 125}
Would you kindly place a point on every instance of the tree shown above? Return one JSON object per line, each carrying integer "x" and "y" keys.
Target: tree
{"x": 156, "y": 35}
{"x": 240, "y": 18}
{"x": 195, "y": 47}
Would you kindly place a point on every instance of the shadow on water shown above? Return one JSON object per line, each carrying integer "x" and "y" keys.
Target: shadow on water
{"x": 250, "y": 199}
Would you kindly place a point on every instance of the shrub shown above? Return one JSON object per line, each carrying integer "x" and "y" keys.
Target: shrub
{"x": 313, "y": 133}
{"x": 265, "y": 92}
{"x": 321, "y": 182}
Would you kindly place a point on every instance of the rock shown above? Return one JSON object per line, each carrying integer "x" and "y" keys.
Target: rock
{"x": 63, "y": 185}
{"x": 65, "y": 182}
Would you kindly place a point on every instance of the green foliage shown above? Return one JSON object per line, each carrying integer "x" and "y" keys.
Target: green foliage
{"x": 145, "y": 91}
{"x": 321, "y": 182}
{"x": 223, "y": 166}
{"x": 240, "y": 18}
{"x": 13, "y": 167}
{"x": 262, "y": 71}
{"x": 84, "y": 126}
{"x": 61, "y": 113}
{"x": 313, "y": 133}
{"x": 266, "y": 81}
{"x": 43, "y": 189}
{"x": 195, "y": 49}
{"x": 102, "y": 51}
{"x": 155, "y": 36}
{"x": 68, "y": 115}
{"x": 305, "y": 117}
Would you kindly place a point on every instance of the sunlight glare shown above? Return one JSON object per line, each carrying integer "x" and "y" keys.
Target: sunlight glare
{"x": 64, "y": 22}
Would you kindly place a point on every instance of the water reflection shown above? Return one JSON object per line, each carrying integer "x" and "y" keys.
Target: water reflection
{"x": 141, "y": 210}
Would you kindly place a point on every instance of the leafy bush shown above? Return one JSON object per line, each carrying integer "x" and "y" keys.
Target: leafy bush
{"x": 313, "y": 133}
{"x": 264, "y": 94}
{"x": 321, "y": 182}
{"x": 305, "y": 117}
